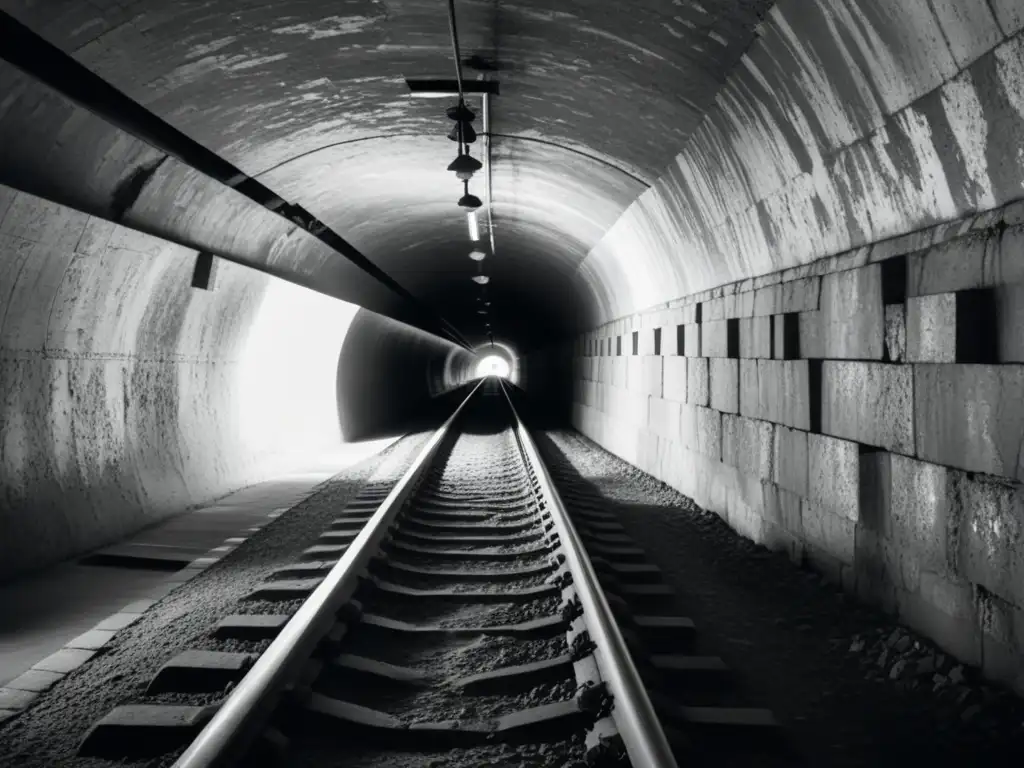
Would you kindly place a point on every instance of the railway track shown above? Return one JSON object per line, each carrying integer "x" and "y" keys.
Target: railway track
{"x": 461, "y": 618}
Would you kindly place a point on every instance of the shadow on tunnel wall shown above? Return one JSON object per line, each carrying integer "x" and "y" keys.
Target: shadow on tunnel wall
{"x": 393, "y": 378}
{"x": 544, "y": 396}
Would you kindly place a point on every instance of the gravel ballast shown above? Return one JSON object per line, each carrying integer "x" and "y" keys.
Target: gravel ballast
{"x": 48, "y": 734}
{"x": 848, "y": 685}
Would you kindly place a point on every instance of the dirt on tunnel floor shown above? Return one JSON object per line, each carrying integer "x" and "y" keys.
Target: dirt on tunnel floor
{"x": 799, "y": 645}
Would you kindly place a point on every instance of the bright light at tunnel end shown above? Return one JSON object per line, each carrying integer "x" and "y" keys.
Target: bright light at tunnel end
{"x": 493, "y": 365}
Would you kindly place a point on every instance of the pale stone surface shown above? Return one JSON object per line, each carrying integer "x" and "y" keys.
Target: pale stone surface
{"x": 970, "y": 416}
{"x": 664, "y": 418}
{"x": 871, "y": 403}
{"x": 992, "y": 536}
{"x": 895, "y": 332}
{"x": 701, "y": 430}
{"x": 674, "y": 386}
{"x": 835, "y": 533}
{"x": 698, "y": 390}
{"x": 852, "y": 314}
{"x": 931, "y": 328}
{"x": 714, "y": 338}
{"x": 748, "y": 445}
{"x": 651, "y": 375}
{"x": 755, "y": 337}
{"x": 833, "y": 475}
{"x": 812, "y": 340}
{"x": 725, "y": 384}
{"x": 790, "y": 464}
{"x": 921, "y": 511}
{"x": 750, "y": 405}
{"x": 692, "y": 340}
{"x": 784, "y": 394}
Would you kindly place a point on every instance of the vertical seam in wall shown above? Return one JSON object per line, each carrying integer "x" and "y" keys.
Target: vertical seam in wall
{"x": 945, "y": 39}
{"x": 995, "y": 18}
{"x": 14, "y": 283}
{"x": 53, "y": 302}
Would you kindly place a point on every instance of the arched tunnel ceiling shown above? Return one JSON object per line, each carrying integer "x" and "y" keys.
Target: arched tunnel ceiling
{"x": 309, "y": 97}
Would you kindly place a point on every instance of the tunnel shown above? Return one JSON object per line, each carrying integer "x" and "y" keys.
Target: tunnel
{"x": 769, "y": 254}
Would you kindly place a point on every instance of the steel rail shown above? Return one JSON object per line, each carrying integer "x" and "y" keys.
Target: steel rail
{"x": 632, "y": 711}
{"x": 241, "y": 717}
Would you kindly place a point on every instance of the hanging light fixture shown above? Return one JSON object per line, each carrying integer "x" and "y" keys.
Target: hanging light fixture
{"x": 465, "y": 166}
{"x": 477, "y": 255}
{"x": 463, "y": 131}
{"x": 481, "y": 279}
{"x": 468, "y": 201}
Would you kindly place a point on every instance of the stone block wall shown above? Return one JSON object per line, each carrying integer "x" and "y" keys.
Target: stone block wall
{"x": 864, "y": 413}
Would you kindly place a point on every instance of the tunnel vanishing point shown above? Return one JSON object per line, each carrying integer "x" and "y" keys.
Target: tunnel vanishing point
{"x": 770, "y": 253}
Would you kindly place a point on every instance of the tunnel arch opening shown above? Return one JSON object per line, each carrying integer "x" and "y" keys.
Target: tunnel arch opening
{"x": 486, "y": 356}
{"x": 492, "y": 365}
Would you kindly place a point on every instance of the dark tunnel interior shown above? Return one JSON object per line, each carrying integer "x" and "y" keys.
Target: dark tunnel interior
{"x": 770, "y": 254}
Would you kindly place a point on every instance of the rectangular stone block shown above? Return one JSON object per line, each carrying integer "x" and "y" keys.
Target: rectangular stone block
{"x": 784, "y": 394}
{"x": 782, "y": 507}
{"x": 691, "y": 340}
{"x": 674, "y": 385}
{"x": 931, "y": 328}
{"x": 969, "y": 26}
{"x": 714, "y": 338}
{"x": 970, "y": 416}
{"x": 992, "y": 536}
{"x": 750, "y": 405}
{"x": 713, "y": 309}
{"x": 852, "y": 314}
{"x": 634, "y": 374}
{"x": 768, "y": 300}
{"x": 955, "y": 265}
{"x": 646, "y": 341}
{"x": 755, "y": 336}
{"x": 698, "y": 389}
{"x": 670, "y": 340}
{"x": 790, "y": 460}
{"x": 748, "y": 445}
{"x": 663, "y": 418}
{"x": 725, "y": 384}
{"x": 833, "y": 475}
{"x": 895, "y": 333}
{"x": 1010, "y": 14}
{"x": 792, "y": 296}
{"x": 618, "y": 372}
{"x": 800, "y": 295}
{"x": 836, "y": 534}
{"x": 651, "y": 375}
{"x": 811, "y": 336}
{"x": 943, "y": 609}
{"x": 921, "y": 511}
{"x": 875, "y": 493}
{"x": 701, "y": 430}
{"x": 872, "y": 403}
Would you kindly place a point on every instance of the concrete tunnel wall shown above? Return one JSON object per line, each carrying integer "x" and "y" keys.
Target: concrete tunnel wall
{"x": 126, "y": 395}
{"x": 811, "y": 323}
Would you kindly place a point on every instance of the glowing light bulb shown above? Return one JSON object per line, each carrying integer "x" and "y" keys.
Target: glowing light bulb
{"x": 474, "y": 227}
